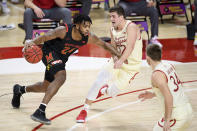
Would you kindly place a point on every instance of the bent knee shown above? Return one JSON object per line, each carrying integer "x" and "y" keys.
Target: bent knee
{"x": 61, "y": 76}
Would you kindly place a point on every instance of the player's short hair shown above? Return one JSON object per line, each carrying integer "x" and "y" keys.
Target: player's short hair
{"x": 154, "y": 52}
{"x": 118, "y": 9}
{"x": 80, "y": 18}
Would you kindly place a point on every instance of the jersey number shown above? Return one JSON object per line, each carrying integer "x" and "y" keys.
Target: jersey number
{"x": 68, "y": 50}
{"x": 121, "y": 48}
{"x": 176, "y": 81}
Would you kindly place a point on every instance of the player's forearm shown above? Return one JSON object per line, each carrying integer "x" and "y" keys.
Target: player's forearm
{"x": 168, "y": 107}
{"x": 126, "y": 53}
{"x": 41, "y": 39}
{"x": 112, "y": 49}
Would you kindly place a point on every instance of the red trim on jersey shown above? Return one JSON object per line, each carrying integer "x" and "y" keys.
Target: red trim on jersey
{"x": 163, "y": 73}
{"x": 133, "y": 77}
{"x": 173, "y": 120}
{"x": 66, "y": 27}
{"x": 172, "y": 66}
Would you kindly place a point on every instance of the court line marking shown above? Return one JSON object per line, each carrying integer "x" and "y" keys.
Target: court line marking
{"x": 115, "y": 108}
{"x": 60, "y": 114}
{"x": 101, "y": 113}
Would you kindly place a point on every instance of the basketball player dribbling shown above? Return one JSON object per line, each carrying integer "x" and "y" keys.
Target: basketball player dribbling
{"x": 59, "y": 44}
{"x": 177, "y": 111}
{"x": 116, "y": 75}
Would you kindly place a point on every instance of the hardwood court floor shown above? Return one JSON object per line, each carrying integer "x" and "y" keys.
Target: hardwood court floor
{"x": 139, "y": 116}
{"x": 124, "y": 113}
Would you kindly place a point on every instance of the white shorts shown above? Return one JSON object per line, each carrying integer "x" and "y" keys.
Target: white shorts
{"x": 116, "y": 79}
{"x": 180, "y": 121}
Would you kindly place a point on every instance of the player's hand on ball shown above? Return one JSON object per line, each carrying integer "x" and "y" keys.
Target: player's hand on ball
{"x": 28, "y": 44}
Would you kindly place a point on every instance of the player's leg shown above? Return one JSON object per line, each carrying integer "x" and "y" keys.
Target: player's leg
{"x": 106, "y": 83}
{"x": 100, "y": 83}
{"x": 39, "y": 114}
{"x": 56, "y": 75}
{"x": 18, "y": 90}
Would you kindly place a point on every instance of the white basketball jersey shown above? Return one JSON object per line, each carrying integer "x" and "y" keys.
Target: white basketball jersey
{"x": 174, "y": 84}
{"x": 134, "y": 60}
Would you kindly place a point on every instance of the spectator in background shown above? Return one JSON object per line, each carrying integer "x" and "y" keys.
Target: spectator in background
{"x": 195, "y": 22}
{"x": 145, "y": 8}
{"x": 38, "y": 9}
{"x": 86, "y": 6}
{"x": 4, "y": 7}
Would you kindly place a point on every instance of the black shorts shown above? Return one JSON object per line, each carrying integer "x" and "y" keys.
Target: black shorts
{"x": 53, "y": 64}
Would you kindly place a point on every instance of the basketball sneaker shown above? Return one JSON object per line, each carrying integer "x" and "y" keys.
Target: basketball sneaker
{"x": 81, "y": 118}
{"x": 155, "y": 41}
{"x": 100, "y": 91}
{"x": 16, "y": 96}
{"x": 39, "y": 116}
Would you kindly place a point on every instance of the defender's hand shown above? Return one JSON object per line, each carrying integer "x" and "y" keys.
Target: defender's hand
{"x": 146, "y": 95}
{"x": 118, "y": 64}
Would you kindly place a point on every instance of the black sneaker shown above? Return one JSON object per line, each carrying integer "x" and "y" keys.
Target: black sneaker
{"x": 40, "y": 116}
{"x": 16, "y": 96}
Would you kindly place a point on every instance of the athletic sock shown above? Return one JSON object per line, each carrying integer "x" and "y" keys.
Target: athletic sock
{"x": 42, "y": 107}
{"x": 23, "y": 89}
{"x": 86, "y": 107}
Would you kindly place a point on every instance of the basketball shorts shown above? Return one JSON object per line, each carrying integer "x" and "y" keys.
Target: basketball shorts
{"x": 120, "y": 77}
{"x": 53, "y": 64}
{"x": 115, "y": 79}
{"x": 181, "y": 119}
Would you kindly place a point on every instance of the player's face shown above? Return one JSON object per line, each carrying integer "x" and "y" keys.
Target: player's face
{"x": 115, "y": 19}
{"x": 85, "y": 28}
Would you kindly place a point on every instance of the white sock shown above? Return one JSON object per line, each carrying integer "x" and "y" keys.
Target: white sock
{"x": 86, "y": 107}
{"x": 43, "y": 104}
{"x": 103, "y": 91}
{"x": 25, "y": 89}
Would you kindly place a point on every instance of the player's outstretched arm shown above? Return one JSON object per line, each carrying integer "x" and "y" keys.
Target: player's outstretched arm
{"x": 160, "y": 81}
{"x": 59, "y": 32}
{"x": 93, "y": 39}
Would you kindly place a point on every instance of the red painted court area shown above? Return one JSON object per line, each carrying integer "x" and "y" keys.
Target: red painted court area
{"x": 178, "y": 49}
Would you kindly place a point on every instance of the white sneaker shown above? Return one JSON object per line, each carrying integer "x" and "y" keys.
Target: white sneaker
{"x": 7, "y": 27}
{"x": 5, "y": 8}
{"x": 155, "y": 41}
{"x": 15, "y": 1}
{"x": 195, "y": 40}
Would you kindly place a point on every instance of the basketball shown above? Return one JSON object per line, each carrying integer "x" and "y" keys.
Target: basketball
{"x": 33, "y": 55}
